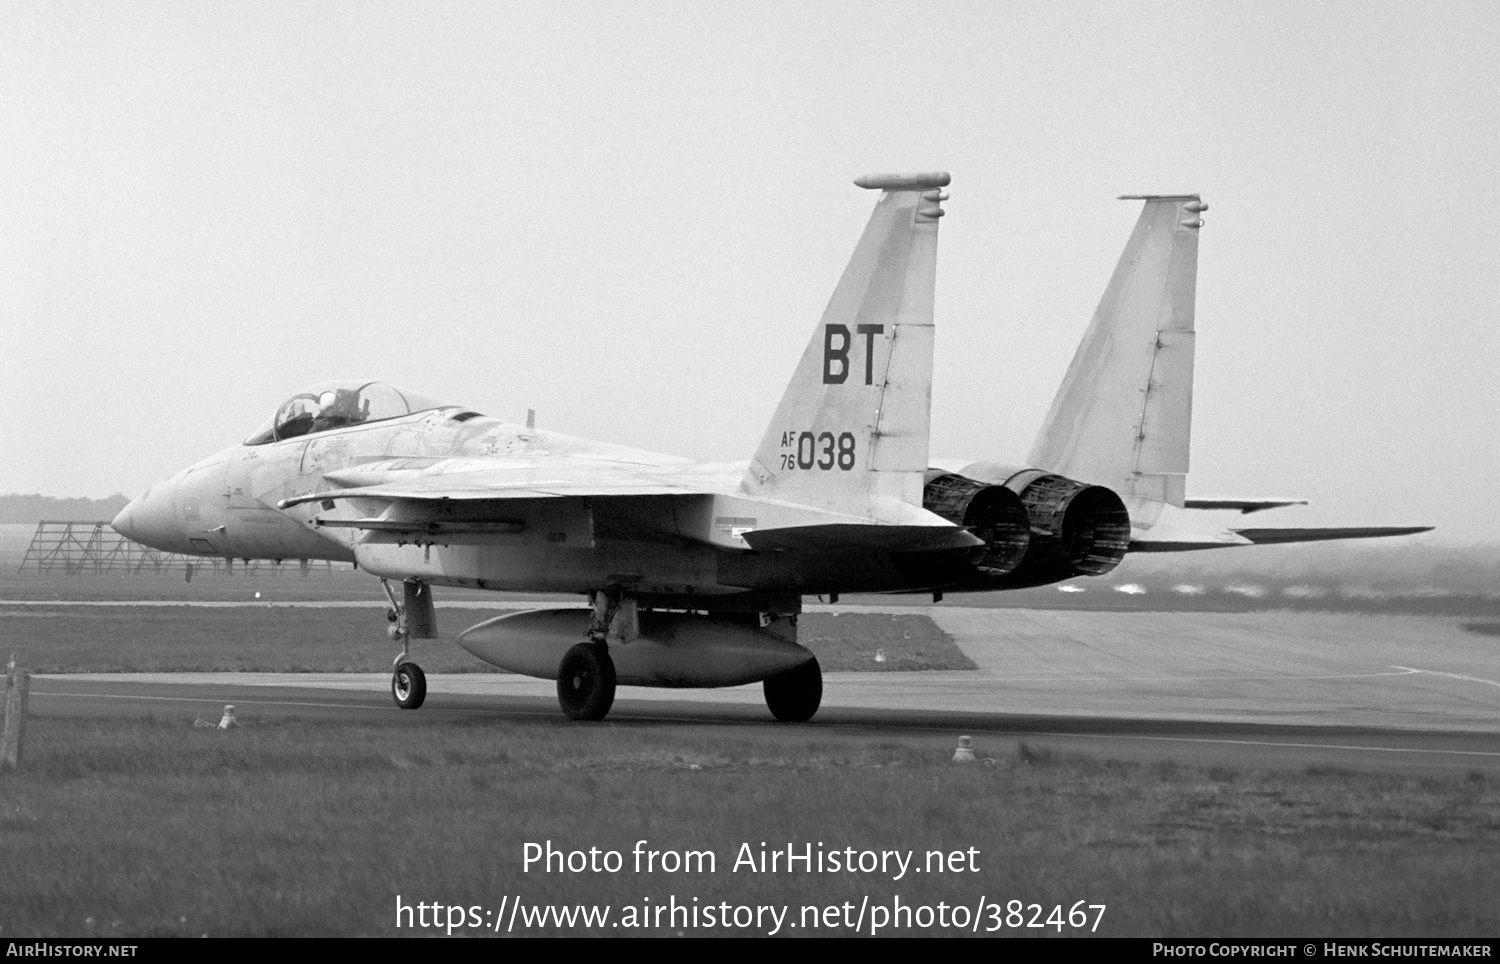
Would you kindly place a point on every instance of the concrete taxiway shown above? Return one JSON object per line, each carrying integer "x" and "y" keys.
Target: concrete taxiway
{"x": 1236, "y": 689}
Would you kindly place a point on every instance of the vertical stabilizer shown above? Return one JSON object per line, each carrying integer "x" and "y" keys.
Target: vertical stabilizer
{"x": 1123, "y": 415}
{"x": 851, "y": 432}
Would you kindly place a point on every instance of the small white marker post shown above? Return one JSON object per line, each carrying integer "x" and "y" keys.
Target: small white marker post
{"x": 17, "y": 684}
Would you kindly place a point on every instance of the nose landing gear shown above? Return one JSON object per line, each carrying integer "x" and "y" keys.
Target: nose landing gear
{"x": 408, "y": 684}
{"x": 412, "y": 615}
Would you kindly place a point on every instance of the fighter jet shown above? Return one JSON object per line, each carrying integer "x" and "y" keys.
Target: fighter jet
{"x": 695, "y": 573}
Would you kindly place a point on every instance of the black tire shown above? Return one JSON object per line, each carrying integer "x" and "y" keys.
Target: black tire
{"x": 586, "y": 682}
{"x": 409, "y": 686}
{"x": 794, "y": 696}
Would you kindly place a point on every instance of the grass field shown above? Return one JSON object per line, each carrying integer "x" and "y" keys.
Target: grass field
{"x": 165, "y": 639}
{"x": 161, "y": 828}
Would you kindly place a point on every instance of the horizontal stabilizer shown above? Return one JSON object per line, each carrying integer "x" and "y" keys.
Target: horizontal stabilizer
{"x": 1271, "y": 536}
{"x": 1245, "y": 506}
{"x": 824, "y": 538}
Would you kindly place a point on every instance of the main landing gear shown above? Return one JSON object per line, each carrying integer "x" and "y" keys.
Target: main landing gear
{"x": 794, "y": 696}
{"x": 586, "y": 682}
{"x": 412, "y": 615}
{"x": 586, "y": 675}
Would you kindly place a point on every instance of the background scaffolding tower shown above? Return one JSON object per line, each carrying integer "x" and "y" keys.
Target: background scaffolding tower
{"x": 93, "y": 547}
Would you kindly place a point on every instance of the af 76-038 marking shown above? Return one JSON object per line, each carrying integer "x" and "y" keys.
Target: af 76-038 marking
{"x": 694, "y": 572}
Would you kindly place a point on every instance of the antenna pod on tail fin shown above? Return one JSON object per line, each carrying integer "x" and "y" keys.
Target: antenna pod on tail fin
{"x": 851, "y": 432}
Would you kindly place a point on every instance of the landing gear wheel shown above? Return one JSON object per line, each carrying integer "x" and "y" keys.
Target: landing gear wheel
{"x": 793, "y": 696}
{"x": 409, "y": 686}
{"x": 586, "y": 682}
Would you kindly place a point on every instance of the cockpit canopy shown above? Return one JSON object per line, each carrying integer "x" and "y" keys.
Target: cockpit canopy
{"x": 336, "y": 404}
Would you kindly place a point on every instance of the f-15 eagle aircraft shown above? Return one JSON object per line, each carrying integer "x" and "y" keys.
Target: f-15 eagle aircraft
{"x": 694, "y": 572}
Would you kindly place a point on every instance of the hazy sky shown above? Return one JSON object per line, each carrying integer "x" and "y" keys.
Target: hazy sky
{"x": 629, "y": 216}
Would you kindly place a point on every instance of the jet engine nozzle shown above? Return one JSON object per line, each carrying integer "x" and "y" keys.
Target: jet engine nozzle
{"x": 1078, "y": 528}
{"x": 991, "y": 512}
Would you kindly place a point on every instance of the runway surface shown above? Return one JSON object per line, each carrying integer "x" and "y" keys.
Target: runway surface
{"x": 1274, "y": 690}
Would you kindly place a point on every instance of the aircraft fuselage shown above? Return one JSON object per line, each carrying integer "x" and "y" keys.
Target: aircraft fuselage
{"x": 675, "y": 550}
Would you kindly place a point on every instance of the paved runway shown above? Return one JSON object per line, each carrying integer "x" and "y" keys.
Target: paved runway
{"x": 1237, "y": 689}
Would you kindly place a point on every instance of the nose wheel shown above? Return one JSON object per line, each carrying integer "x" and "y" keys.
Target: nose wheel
{"x": 408, "y": 685}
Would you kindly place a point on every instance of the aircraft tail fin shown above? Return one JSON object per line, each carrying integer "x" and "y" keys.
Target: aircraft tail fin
{"x": 1123, "y": 415}
{"x": 851, "y": 432}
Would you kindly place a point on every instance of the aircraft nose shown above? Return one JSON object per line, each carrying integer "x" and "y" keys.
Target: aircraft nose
{"x": 126, "y": 522}
{"x": 149, "y": 520}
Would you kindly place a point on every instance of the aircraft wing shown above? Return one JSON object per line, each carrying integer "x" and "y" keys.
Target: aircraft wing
{"x": 520, "y": 480}
{"x": 474, "y": 491}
